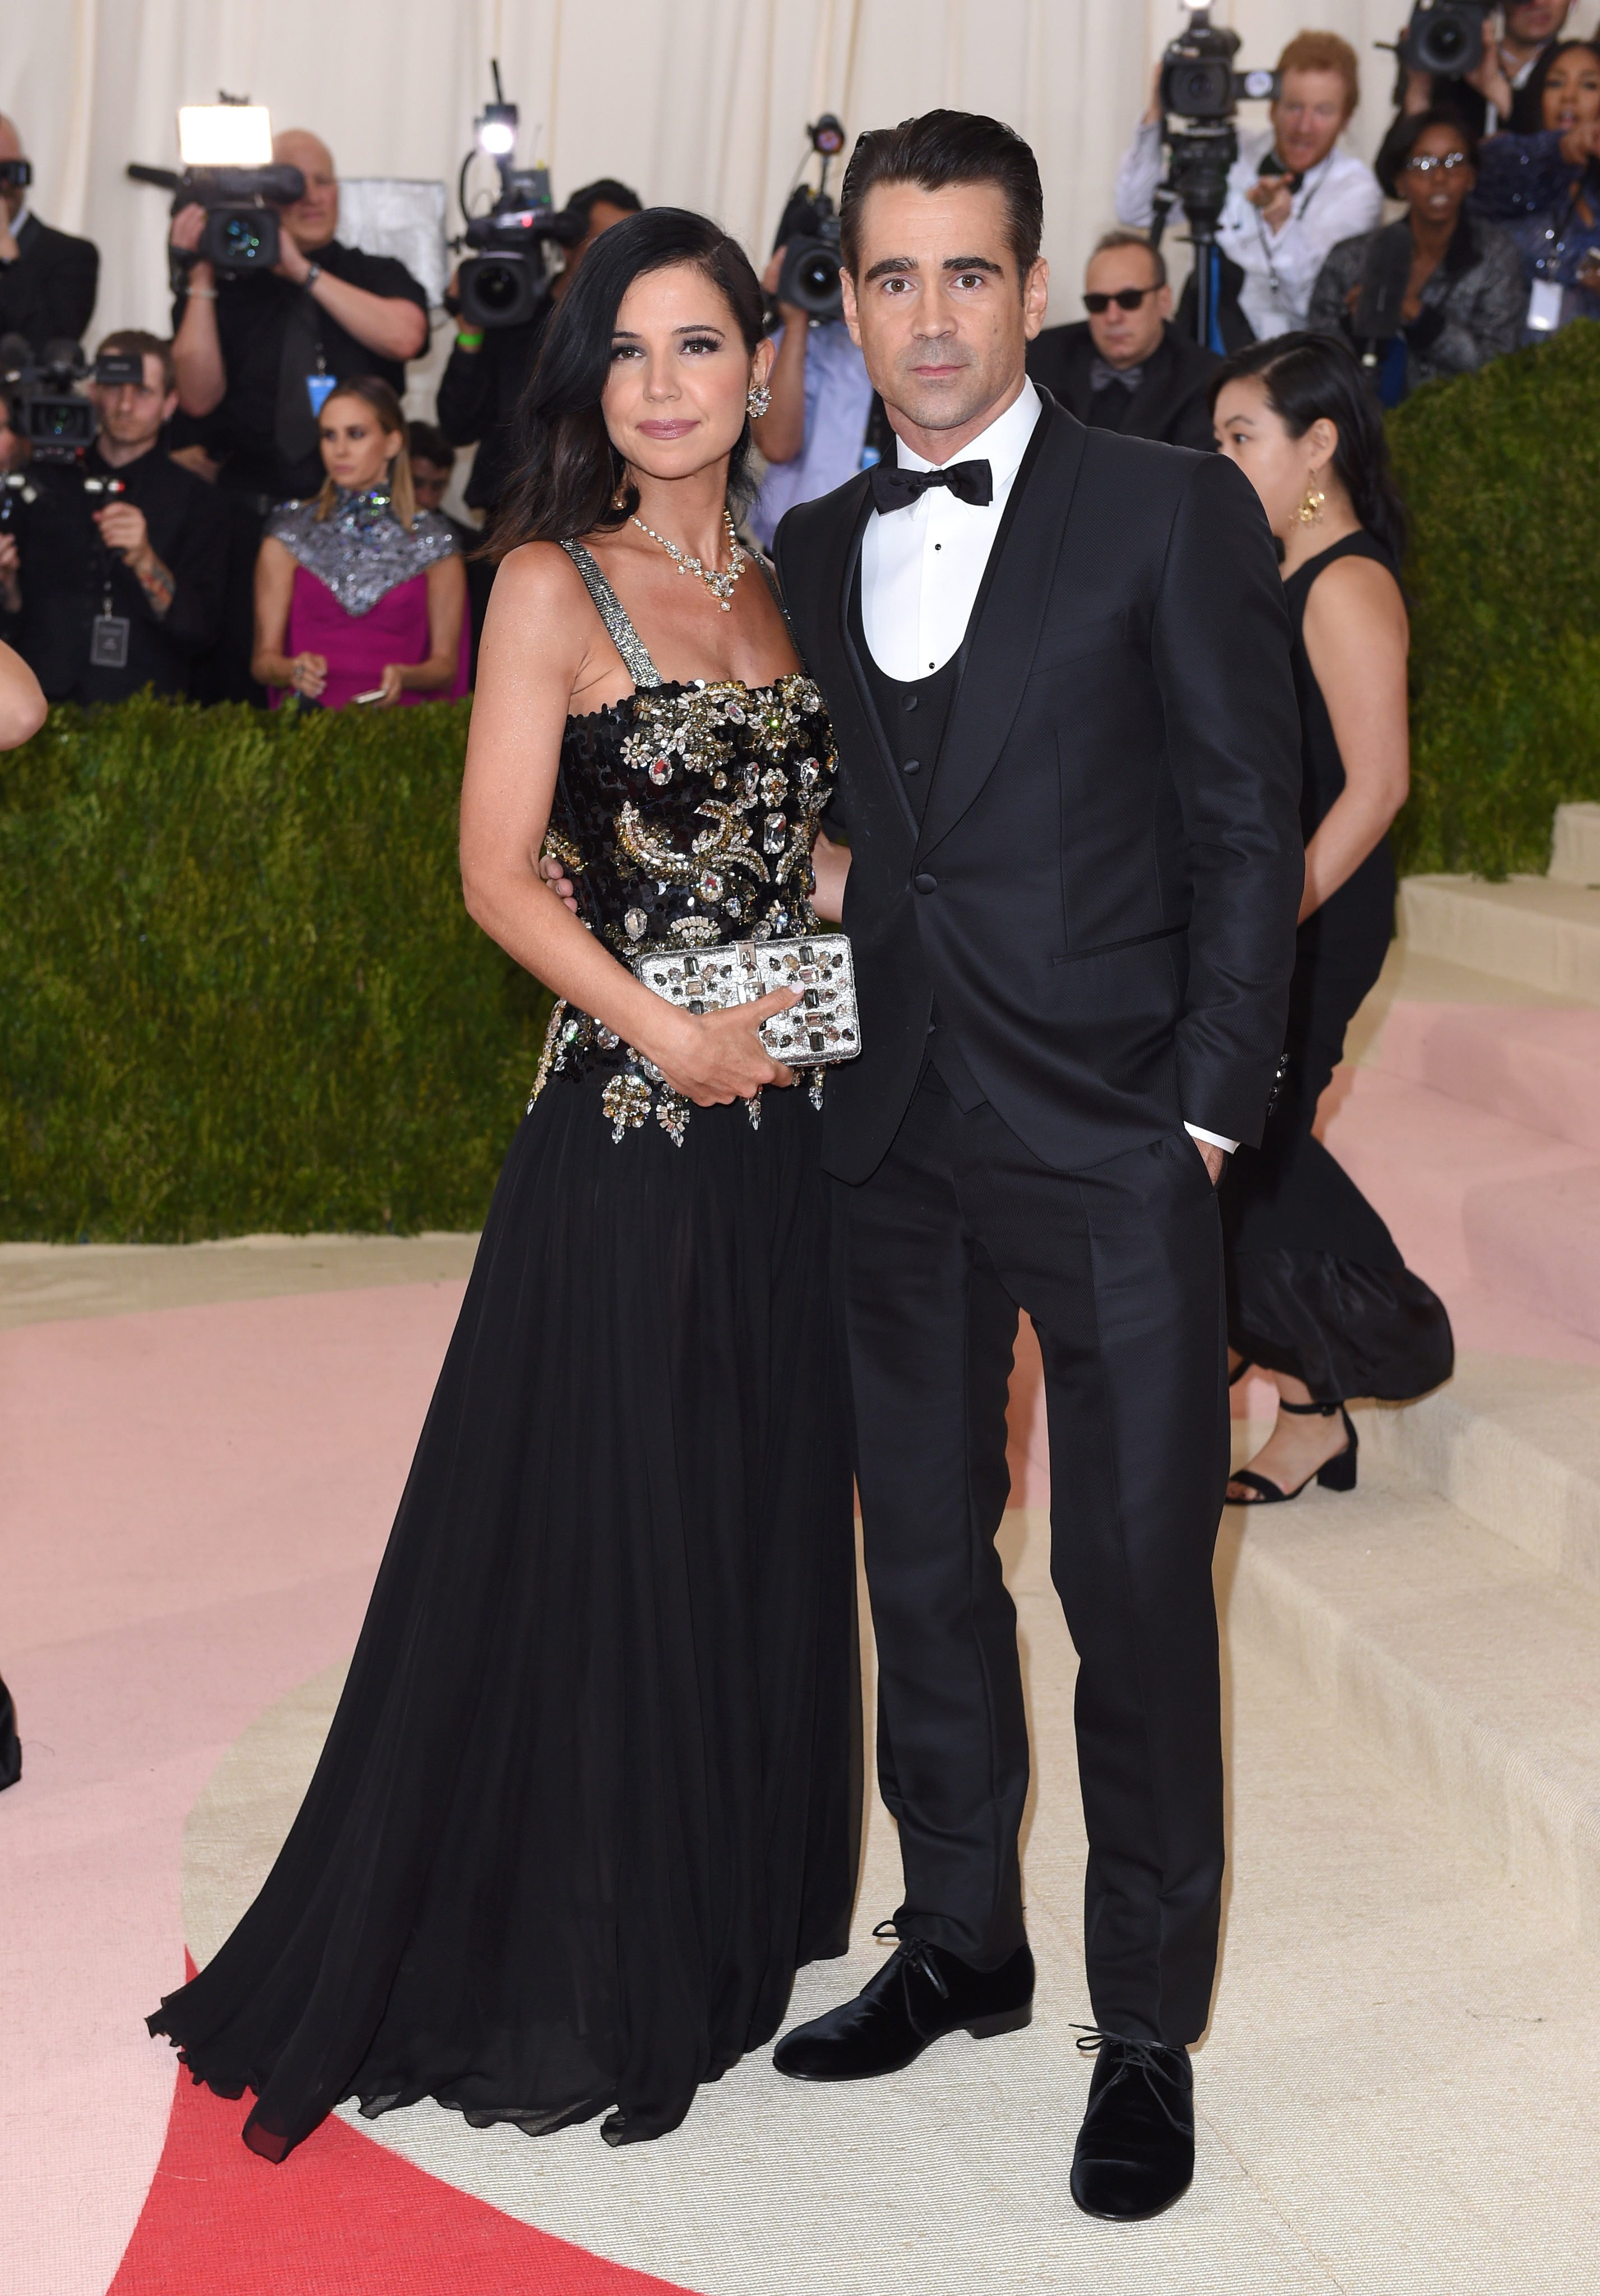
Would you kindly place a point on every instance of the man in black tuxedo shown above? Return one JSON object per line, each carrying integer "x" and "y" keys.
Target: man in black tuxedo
{"x": 1126, "y": 367}
{"x": 47, "y": 280}
{"x": 1057, "y": 662}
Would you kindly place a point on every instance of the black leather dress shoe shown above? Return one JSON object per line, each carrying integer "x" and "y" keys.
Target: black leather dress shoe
{"x": 920, "y": 1994}
{"x": 1135, "y": 2150}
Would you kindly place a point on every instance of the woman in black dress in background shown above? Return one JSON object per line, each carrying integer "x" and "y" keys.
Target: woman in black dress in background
{"x": 588, "y": 1801}
{"x": 1319, "y": 1295}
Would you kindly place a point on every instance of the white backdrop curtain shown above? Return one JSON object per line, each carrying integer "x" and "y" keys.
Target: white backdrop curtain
{"x": 700, "y": 102}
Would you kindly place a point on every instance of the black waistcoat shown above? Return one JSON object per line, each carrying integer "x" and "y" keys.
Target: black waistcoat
{"x": 914, "y": 716}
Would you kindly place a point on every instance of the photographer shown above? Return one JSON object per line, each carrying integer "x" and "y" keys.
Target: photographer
{"x": 814, "y": 432}
{"x": 1456, "y": 298}
{"x": 1126, "y": 367}
{"x": 257, "y": 354}
{"x": 114, "y": 567}
{"x": 1546, "y": 188}
{"x": 1500, "y": 92}
{"x": 483, "y": 379}
{"x": 1292, "y": 195}
{"x": 47, "y": 281}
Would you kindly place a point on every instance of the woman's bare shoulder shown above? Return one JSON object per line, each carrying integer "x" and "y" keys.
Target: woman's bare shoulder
{"x": 1353, "y": 593}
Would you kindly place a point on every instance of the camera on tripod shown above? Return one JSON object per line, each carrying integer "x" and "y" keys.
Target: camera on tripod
{"x": 1446, "y": 37}
{"x": 507, "y": 283}
{"x": 808, "y": 231}
{"x": 49, "y": 406}
{"x": 229, "y": 171}
{"x": 1200, "y": 92}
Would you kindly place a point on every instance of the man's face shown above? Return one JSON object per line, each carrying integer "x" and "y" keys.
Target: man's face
{"x": 311, "y": 222}
{"x": 131, "y": 414}
{"x": 1126, "y": 337}
{"x": 11, "y": 148}
{"x": 937, "y": 304}
{"x": 1531, "y": 22}
{"x": 1308, "y": 118}
{"x": 431, "y": 482}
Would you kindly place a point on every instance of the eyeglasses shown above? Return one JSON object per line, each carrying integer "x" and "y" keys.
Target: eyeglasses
{"x": 1125, "y": 299}
{"x": 1425, "y": 163}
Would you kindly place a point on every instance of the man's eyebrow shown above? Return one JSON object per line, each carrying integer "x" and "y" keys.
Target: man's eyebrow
{"x": 971, "y": 263}
{"x": 892, "y": 263}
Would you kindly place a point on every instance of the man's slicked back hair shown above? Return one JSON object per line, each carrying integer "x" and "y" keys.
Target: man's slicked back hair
{"x": 939, "y": 149}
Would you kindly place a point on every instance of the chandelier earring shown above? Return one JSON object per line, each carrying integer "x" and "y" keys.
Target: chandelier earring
{"x": 1310, "y": 512}
{"x": 758, "y": 399}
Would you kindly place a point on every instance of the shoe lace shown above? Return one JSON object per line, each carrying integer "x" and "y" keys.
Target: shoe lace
{"x": 918, "y": 1953}
{"x": 1153, "y": 2059}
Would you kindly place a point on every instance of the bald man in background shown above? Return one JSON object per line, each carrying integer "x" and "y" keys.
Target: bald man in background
{"x": 47, "y": 280}
{"x": 254, "y": 355}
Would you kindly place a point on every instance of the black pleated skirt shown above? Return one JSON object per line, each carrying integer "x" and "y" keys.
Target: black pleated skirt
{"x": 592, "y": 1791}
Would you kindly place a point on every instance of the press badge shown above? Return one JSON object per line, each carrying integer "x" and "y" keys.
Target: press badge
{"x": 108, "y": 642}
{"x": 1544, "y": 306}
{"x": 319, "y": 389}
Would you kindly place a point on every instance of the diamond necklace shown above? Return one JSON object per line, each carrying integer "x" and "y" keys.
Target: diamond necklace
{"x": 720, "y": 586}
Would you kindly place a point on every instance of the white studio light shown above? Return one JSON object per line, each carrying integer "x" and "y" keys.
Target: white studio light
{"x": 497, "y": 138}
{"x": 225, "y": 135}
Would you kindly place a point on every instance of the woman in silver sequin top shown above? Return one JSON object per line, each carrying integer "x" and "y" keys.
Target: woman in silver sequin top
{"x": 589, "y": 1800}
{"x": 360, "y": 596}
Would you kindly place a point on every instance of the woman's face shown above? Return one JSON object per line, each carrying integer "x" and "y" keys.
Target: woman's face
{"x": 356, "y": 451}
{"x": 1251, "y": 432}
{"x": 1572, "y": 91}
{"x": 674, "y": 398}
{"x": 1437, "y": 176}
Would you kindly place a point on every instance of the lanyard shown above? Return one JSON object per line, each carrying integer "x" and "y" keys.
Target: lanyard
{"x": 1296, "y": 215}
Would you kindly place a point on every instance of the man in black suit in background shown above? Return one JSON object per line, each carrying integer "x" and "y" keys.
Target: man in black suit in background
{"x": 1057, "y": 664}
{"x": 1126, "y": 367}
{"x": 47, "y": 280}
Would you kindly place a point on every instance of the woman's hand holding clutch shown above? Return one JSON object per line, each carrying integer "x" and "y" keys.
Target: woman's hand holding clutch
{"x": 713, "y": 1058}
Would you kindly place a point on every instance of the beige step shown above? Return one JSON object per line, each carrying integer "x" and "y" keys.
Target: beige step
{"x": 1529, "y": 930}
{"x": 1575, "y": 848}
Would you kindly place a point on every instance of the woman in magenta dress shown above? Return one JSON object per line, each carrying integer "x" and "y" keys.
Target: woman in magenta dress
{"x": 360, "y": 596}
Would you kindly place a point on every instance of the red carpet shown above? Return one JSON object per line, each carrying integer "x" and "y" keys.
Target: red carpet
{"x": 342, "y": 2216}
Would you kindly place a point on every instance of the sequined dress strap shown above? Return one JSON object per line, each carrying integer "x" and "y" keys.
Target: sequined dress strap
{"x": 619, "y": 628}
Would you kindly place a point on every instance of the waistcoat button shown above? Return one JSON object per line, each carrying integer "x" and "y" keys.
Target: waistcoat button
{"x": 924, "y": 883}
{"x": 912, "y": 765}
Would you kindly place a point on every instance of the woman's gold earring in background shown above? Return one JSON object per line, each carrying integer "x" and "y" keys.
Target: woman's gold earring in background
{"x": 1310, "y": 512}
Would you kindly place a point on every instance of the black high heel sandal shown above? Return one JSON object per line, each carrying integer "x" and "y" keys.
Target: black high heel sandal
{"x": 1336, "y": 1474}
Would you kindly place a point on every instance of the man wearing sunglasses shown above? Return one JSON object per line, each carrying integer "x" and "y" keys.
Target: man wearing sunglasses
{"x": 1126, "y": 367}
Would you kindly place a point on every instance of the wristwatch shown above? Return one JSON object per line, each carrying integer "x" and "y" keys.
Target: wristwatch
{"x": 313, "y": 274}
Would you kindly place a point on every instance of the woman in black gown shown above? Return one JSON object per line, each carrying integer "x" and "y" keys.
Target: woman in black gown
{"x": 1319, "y": 1295}
{"x": 589, "y": 1797}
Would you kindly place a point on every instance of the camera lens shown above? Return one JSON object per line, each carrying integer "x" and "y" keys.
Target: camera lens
{"x": 241, "y": 239}
{"x": 817, "y": 278}
{"x": 497, "y": 287}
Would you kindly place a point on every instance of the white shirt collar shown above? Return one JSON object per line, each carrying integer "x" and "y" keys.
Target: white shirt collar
{"x": 19, "y": 218}
{"x": 1002, "y": 445}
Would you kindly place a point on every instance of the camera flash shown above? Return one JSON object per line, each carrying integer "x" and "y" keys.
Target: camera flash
{"x": 225, "y": 135}
{"x": 497, "y": 129}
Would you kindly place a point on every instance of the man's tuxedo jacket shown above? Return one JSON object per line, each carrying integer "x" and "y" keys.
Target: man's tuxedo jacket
{"x": 1170, "y": 403}
{"x": 1103, "y": 890}
{"x": 47, "y": 292}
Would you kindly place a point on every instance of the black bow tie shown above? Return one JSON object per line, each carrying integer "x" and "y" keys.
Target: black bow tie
{"x": 896, "y": 489}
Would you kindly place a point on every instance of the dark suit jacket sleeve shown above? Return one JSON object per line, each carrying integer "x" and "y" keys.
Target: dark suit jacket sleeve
{"x": 835, "y": 822}
{"x": 69, "y": 287}
{"x": 197, "y": 562}
{"x": 1220, "y": 646}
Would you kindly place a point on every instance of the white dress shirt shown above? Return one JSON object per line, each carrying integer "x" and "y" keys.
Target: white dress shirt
{"x": 922, "y": 568}
{"x": 1338, "y": 199}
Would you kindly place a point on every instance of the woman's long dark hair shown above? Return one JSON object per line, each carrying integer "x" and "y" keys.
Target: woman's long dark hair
{"x": 1546, "y": 64}
{"x": 570, "y": 470}
{"x": 1314, "y": 378}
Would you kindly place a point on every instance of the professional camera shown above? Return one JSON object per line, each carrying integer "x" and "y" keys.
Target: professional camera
{"x": 508, "y": 283}
{"x": 809, "y": 233}
{"x": 48, "y": 405}
{"x": 1445, "y": 37}
{"x": 229, "y": 171}
{"x": 1200, "y": 93}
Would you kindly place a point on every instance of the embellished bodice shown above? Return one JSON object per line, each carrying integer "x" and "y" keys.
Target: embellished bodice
{"x": 685, "y": 817}
{"x": 360, "y": 551}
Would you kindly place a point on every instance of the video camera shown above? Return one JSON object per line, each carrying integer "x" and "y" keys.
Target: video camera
{"x": 1446, "y": 37}
{"x": 48, "y": 406}
{"x": 1200, "y": 93}
{"x": 508, "y": 283}
{"x": 808, "y": 231}
{"x": 229, "y": 171}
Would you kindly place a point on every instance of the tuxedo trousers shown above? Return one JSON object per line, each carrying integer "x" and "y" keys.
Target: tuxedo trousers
{"x": 1120, "y": 1269}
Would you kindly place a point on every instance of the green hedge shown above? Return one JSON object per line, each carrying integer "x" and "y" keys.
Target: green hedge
{"x": 238, "y": 988}
{"x": 1501, "y": 474}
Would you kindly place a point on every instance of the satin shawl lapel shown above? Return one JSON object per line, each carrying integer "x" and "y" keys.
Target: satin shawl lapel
{"x": 1007, "y": 618}
{"x": 840, "y": 634}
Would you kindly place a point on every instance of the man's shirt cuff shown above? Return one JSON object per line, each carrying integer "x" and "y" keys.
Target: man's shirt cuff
{"x": 1212, "y": 1139}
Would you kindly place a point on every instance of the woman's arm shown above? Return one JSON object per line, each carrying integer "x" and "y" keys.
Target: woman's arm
{"x": 832, "y": 864}
{"x": 447, "y": 603}
{"x": 781, "y": 432}
{"x": 22, "y": 704}
{"x": 1357, "y": 639}
{"x": 305, "y": 673}
{"x": 539, "y": 639}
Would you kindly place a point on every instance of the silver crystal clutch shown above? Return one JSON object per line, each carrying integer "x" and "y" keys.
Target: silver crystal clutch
{"x": 823, "y": 1026}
